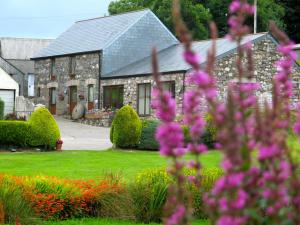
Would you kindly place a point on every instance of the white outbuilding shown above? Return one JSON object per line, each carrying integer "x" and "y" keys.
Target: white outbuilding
{"x": 9, "y": 90}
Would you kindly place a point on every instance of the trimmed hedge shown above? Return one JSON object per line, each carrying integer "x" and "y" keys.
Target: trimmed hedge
{"x": 1, "y": 109}
{"x": 149, "y": 126}
{"x": 126, "y": 128}
{"x": 45, "y": 131}
{"x": 147, "y": 140}
{"x": 17, "y": 133}
{"x": 40, "y": 130}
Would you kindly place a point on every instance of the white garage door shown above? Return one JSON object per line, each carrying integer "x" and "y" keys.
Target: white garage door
{"x": 8, "y": 96}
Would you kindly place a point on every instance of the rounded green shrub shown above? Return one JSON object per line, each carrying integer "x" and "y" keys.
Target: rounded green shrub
{"x": 147, "y": 140}
{"x": 126, "y": 128}
{"x": 45, "y": 131}
{"x": 1, "y": 109}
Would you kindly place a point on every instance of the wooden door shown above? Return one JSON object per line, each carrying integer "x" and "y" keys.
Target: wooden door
{"x": 72, "y": 98}
{"x": 90, "y": 97}
{"x": 52, "y": 100}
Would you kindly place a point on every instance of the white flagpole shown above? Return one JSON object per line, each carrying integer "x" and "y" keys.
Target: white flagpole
{"x": 255, "y": 17}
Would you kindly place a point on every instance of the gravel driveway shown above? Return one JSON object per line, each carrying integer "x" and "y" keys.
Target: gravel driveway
{"x": 78, "y": 136}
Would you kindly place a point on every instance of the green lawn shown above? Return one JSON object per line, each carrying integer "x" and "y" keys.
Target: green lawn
{"x": 108, "y": 222}
{"x": 87, "y": 164}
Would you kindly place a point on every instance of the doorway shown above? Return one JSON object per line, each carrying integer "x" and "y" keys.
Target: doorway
{"x": 52, "y": 101}
{"x": 72, "y": 98}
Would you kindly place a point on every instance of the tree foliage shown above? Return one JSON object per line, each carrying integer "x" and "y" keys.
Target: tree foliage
{"x": 196, "y": 15}
{"x": 266, "y": 10}
{"x": 292, "y": 18}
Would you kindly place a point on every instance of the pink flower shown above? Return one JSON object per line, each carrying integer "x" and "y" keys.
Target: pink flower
{"x": 241, "y": 199}
{"x": 177, "y": 216}
{"x": 191, "y": 57}
{"x": 235, "y": 6}
{"x": 164, "y": 104}
{"x": 170, "y": 137}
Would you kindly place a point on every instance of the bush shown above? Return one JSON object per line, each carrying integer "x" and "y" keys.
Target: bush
{"x": 210, "y": 134}
{"x": 16, "y": 133}
{"x": 1, "y": 109}
{"x": 45, "y": 131}
{"x": 149, "y": 194}
{"x": 186, "y": 134}
{"x": 15, "y": 206}
{"x": 147, "y": 140}
{"x": 209, "y": 176}
{"x": 126, "y": 128}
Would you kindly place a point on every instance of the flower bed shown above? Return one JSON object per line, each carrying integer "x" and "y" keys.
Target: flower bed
{"x": 50, "y": 198}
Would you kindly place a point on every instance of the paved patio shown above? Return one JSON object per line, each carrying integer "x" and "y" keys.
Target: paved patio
{"x": 78, "y": 136}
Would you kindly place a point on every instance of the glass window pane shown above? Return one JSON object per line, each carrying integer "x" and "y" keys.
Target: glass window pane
{"x": 113, "y": 97}
{"x": 53, "y": 96}
{"x": 106, "y": 97}
{"x": 141, "y": 98}
{"x": 169, "y": 86}
{"x": 148, "y": 99}
{"x": 91, "y": 93}
{"x": 144, "y": 99}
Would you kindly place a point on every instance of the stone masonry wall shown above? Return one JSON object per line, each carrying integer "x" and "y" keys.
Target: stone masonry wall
{"x": 131, "y": 87}
{"x": 86, "y": 73}
{"x": 265, "y": 55}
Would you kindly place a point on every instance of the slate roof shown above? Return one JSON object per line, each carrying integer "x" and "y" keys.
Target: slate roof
{"x": 21, "y": 48}
{"x": 91, "y": 35}
{"x": 26, "y": 66}
{"x": 170, "y": 60}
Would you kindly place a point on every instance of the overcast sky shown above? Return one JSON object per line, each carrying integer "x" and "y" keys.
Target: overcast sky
{"x": 46, "y": 18}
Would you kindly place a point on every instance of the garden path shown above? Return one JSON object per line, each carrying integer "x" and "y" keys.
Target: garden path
{"x": 77, "y": 136}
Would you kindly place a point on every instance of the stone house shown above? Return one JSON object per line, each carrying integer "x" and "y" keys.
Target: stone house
{"x": 106, "y": 63}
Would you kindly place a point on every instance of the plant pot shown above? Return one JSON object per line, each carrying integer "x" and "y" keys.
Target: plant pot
{"x": 58, "y": 147}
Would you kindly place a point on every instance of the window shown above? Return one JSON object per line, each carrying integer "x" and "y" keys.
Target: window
{"x": 31, "y": 85}
{"x": 72, "y": 65}
{"x": 52, "y": 96}
{"x": 38, "y": 92}
{"x": 144, "y": 99}
{"x": 91, "y": 93}
{"x": 52, "y": 68}
{"x": 113, "y": 97}
{"x": 169, "y": 86}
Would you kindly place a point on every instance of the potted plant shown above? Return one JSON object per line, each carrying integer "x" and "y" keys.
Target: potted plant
{"x": 59, "y": 144}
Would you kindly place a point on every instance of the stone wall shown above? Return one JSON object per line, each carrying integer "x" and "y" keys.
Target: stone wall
{"x": 265, "y": 55}
{"x": 131, "y": 87}
{"x": 86, "y": 73}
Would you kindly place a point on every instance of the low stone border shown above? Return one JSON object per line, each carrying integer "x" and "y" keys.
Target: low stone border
{"x": 104, "y": 122}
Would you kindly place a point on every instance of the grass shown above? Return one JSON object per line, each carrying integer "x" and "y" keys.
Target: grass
{"x": 109, "y": 222}
{"x": 87, "y": 164}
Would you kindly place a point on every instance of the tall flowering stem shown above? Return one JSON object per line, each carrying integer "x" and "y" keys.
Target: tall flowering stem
{"x": 254, "y": 190}
{"x": 171, "y": 139}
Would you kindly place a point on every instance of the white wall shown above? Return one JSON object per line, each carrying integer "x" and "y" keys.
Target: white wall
{"x": 6, "y": 82}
